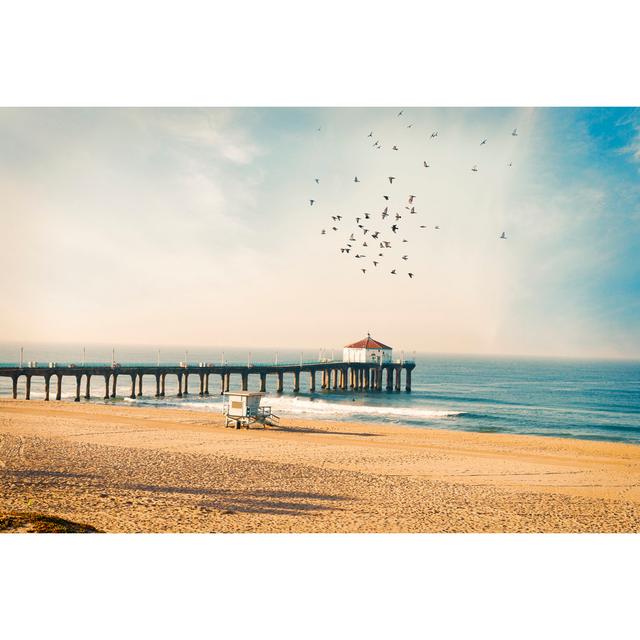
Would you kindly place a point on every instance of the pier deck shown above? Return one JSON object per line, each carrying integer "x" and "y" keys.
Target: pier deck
{"x": 364, "y": 377}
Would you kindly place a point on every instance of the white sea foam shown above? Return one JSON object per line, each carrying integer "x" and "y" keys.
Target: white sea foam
{"x": 285, "y": 406}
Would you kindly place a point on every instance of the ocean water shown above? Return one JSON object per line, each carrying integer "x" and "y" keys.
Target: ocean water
{"x": 593, "y": 400}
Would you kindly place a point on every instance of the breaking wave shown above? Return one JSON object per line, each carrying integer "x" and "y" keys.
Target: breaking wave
{"x": 286, "y": 406}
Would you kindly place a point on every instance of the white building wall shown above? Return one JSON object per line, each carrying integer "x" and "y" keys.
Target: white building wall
{"x": 366, "y": 355}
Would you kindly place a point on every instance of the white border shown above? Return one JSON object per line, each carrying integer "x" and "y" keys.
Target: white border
{"x": 338, "y": 52}
{"x": 320, "y": 586}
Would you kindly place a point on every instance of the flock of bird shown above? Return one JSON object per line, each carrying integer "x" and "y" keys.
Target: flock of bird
{"x": 376, "y": 241}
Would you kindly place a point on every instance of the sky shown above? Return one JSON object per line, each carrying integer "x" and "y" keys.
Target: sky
{"x": 193, "y": 227}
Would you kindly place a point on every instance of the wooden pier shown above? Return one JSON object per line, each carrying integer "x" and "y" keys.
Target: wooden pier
{"x": 337, "y": 375}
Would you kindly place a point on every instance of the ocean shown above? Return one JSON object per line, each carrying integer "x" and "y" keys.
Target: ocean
{"x": 591, "y": 400}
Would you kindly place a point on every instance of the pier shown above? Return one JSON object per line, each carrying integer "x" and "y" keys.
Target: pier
{"x": 330, "y": 375}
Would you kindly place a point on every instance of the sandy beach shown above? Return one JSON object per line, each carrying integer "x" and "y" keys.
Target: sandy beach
{"x": 126, "y": 469}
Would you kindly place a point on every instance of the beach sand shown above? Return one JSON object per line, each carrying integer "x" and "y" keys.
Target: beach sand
{"x": 129, "y": 469}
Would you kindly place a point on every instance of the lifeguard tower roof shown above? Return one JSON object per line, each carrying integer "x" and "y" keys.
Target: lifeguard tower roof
{"x": 243, "y": 393}
{"x": 367, "y": 343}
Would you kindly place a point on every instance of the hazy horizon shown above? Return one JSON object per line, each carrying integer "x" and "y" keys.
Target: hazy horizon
{"x": 164, "y": 227}
{"x": 195, "y": 350}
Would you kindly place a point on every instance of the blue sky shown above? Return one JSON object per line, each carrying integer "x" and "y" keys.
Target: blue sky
{"x": 156, "y": 226}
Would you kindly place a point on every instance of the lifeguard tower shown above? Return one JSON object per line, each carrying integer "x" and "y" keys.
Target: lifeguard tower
{"x": 242, "y": 408}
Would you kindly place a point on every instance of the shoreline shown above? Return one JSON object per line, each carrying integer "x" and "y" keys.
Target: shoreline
{"x": 151, "y": 404}
{"x": 215, "y": 419}
{"x": 126, "y": 468}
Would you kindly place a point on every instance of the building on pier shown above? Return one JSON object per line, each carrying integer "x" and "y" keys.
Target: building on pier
{"x": 367, "y": 350}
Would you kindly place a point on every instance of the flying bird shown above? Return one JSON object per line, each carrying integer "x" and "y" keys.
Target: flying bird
{"x": 423, "y": 226}
{"x": 413, "y": 210}
{"x": 317, "y": 180}
{"x": 510, "y": 164}
{"x": 410, "y": 275}
{"x": 338, "y": 217}
{"x": 409, "y": 126}
{"x": 356, "y": 179}
{"x": 411, "y": 199}
{"x": 391, "y": 179}
{"x": 474, "y": 168}
{"x": 403, "y": 240}
{"x": 395, "y": 148}
{"x": 483, "y": 142}
{"x": 503, "y": 236}
{"x": 426, "y": 165}
{"x": 436, "y": 227}
{"x": 370, "y": 135}
{"x": 375, "y": 235}
{"x": 393, "y": 272}
{"x": 386, "y": 197}
{"x": 394, "y": 228}
{"x": 398, "y": 216}
{"x": 324, "y": 231}
{"x": 335, "y": 228}
{"x": 514, "y": 132}
{"x": 405, "y": 257}
{"x": 363, "y": 270}
{"x": 375, "y": 264}
{"x": 401, "y": 113}
{"x": 434, "y": 134}
{"x": 311, "y": 203}
{"x": 352, "y": 238}
{"x": 367, "y": 216}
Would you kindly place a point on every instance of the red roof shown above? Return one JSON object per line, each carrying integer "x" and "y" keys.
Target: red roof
{"x": 367, "y": 343}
